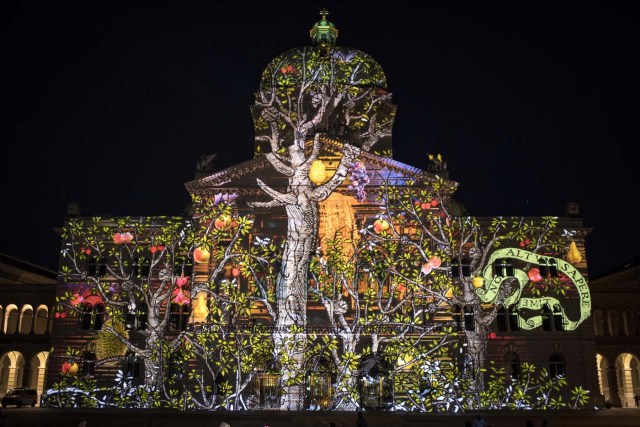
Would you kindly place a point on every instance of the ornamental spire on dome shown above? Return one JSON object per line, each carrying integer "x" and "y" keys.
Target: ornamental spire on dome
{"x": 323, "y": 32}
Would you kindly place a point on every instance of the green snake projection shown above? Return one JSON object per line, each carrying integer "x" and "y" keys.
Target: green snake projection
{"x": 489, "y": 293}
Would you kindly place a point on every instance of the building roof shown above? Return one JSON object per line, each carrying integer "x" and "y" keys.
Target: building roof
{"x": 16, "y": 271}
{"x": 626, "y": 274}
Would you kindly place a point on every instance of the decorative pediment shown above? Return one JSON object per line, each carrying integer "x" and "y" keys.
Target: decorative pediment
{"x": 242, "y": 178}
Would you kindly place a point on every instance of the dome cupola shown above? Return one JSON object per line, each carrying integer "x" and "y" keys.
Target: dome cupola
{"x": 323, "y": 63}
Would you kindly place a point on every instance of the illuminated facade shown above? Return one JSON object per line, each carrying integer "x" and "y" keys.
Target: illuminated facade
{"x": 27, "y": 298}
{"x": 321, "y": 274}
{"x": 615, "y": 320}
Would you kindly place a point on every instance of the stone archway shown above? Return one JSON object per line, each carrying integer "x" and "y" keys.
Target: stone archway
{"x": 628, "y": 376}
{"x": 602, "y": 365}
{"x": 320, "y": 377}
{"x": 38, "y": 372}
{"x": 11, "y": 369}
{"x": 41, "y": 321}
{"x": 26, "y": 320}
{"x": 11, "y": 317}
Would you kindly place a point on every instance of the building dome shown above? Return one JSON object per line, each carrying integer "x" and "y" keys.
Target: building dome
{"x": 323, "y": 63}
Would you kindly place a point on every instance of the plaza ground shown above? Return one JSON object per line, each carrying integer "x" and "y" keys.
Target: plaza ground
{"x": 37, "y": 417}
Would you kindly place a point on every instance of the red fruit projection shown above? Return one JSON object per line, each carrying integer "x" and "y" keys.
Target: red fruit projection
{"x": 63, "y": 315}
{"x": 87, "y": 251}
{"x": 425, "y": 206}
{"x": 222, "y": 222}
{"x": 160, "y": 247}
{"x": 380, "y": 225}
{"x": 235, "y": 272}
{"x": 527, "y": 241}
{"x": 57, "y": 315}
{"x": 153, "y": 249}
{"x": 442, "y": 214}
{"x": 426, "y": 268}
{"x": 128, "y": 237}
{"x": 180, "y": 297}
{"x": 492, "y": 336}
{"x": 534, "y": 274}
{"x": 435, "y": 261}
{"x": 522, "y": 244}
{"x": 66, "y": 367}
{"x": 434, "y": 203}
{"x": 181, "y": 281}
{"x": 201, "y": 255}
{"x": 118, "y": 239}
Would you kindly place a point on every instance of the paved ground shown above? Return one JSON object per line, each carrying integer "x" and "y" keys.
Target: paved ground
{"x": 36, "y": 417}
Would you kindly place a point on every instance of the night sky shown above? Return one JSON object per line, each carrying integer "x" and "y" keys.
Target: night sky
{"x": 533, "y": 104}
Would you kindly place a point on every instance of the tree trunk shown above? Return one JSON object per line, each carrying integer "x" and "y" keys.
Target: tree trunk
{"x": 477, "y": 350}
{"x": 291, "y": 296}
{"x": 153, "y": 354}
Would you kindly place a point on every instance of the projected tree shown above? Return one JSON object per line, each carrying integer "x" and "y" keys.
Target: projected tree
{"x": 124, "y": 274}
{"x": 303, "y": 94}
{"x": 378, "y": 319}
{"x": 483, "y": 265}
{"x": 132, "y": 279}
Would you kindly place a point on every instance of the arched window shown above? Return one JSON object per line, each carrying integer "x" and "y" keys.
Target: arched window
{"x": 504, "y": 267}
{"x": 513, "y": 319}
{"x": 553, "y": 267}
{"x": 501, "y": 319}
{"x": 102, "y": 267}
{"x": 145, "y": 267}
{"x": 179, "y": 317}
{"x": 26, "y": 319}
{"x": 85, "y": 317}
{"x": 466, "y": 267}
{"x": 140, "y": 267}
{"x": 457, "y": 317}
{"x": 455, "y": 267}
{"x": 546, "y": 318}
{"x": 183, "y": 266}
{"x": 558, "y": 321}
{"x": 11, "y": 319}
{"x": 142, "y": 313}
{"x": 512, "y": 365}
{"x": 628, "y": 322}
{"x": 469, "y": 324}
{"x": 99, "y": 317}
{"x": 92, "y": 267}
{"x": 88, "y": 364}
{"x": 42, "y": 320}
{"x": 132, "y": 366}
{"x": 598, "y": 322}
{"x": 556, "y": 365}
{"x": 614, "y": 322}
{"x": 543, "y": 267}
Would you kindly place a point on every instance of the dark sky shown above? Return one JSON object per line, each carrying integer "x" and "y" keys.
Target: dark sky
{"x": 532, "y": 103}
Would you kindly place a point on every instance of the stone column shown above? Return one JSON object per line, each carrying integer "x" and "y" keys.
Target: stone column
{"x": 614, "y": 397}
{"x": 627, "y": 389}
{"x": 24, "y": 381}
